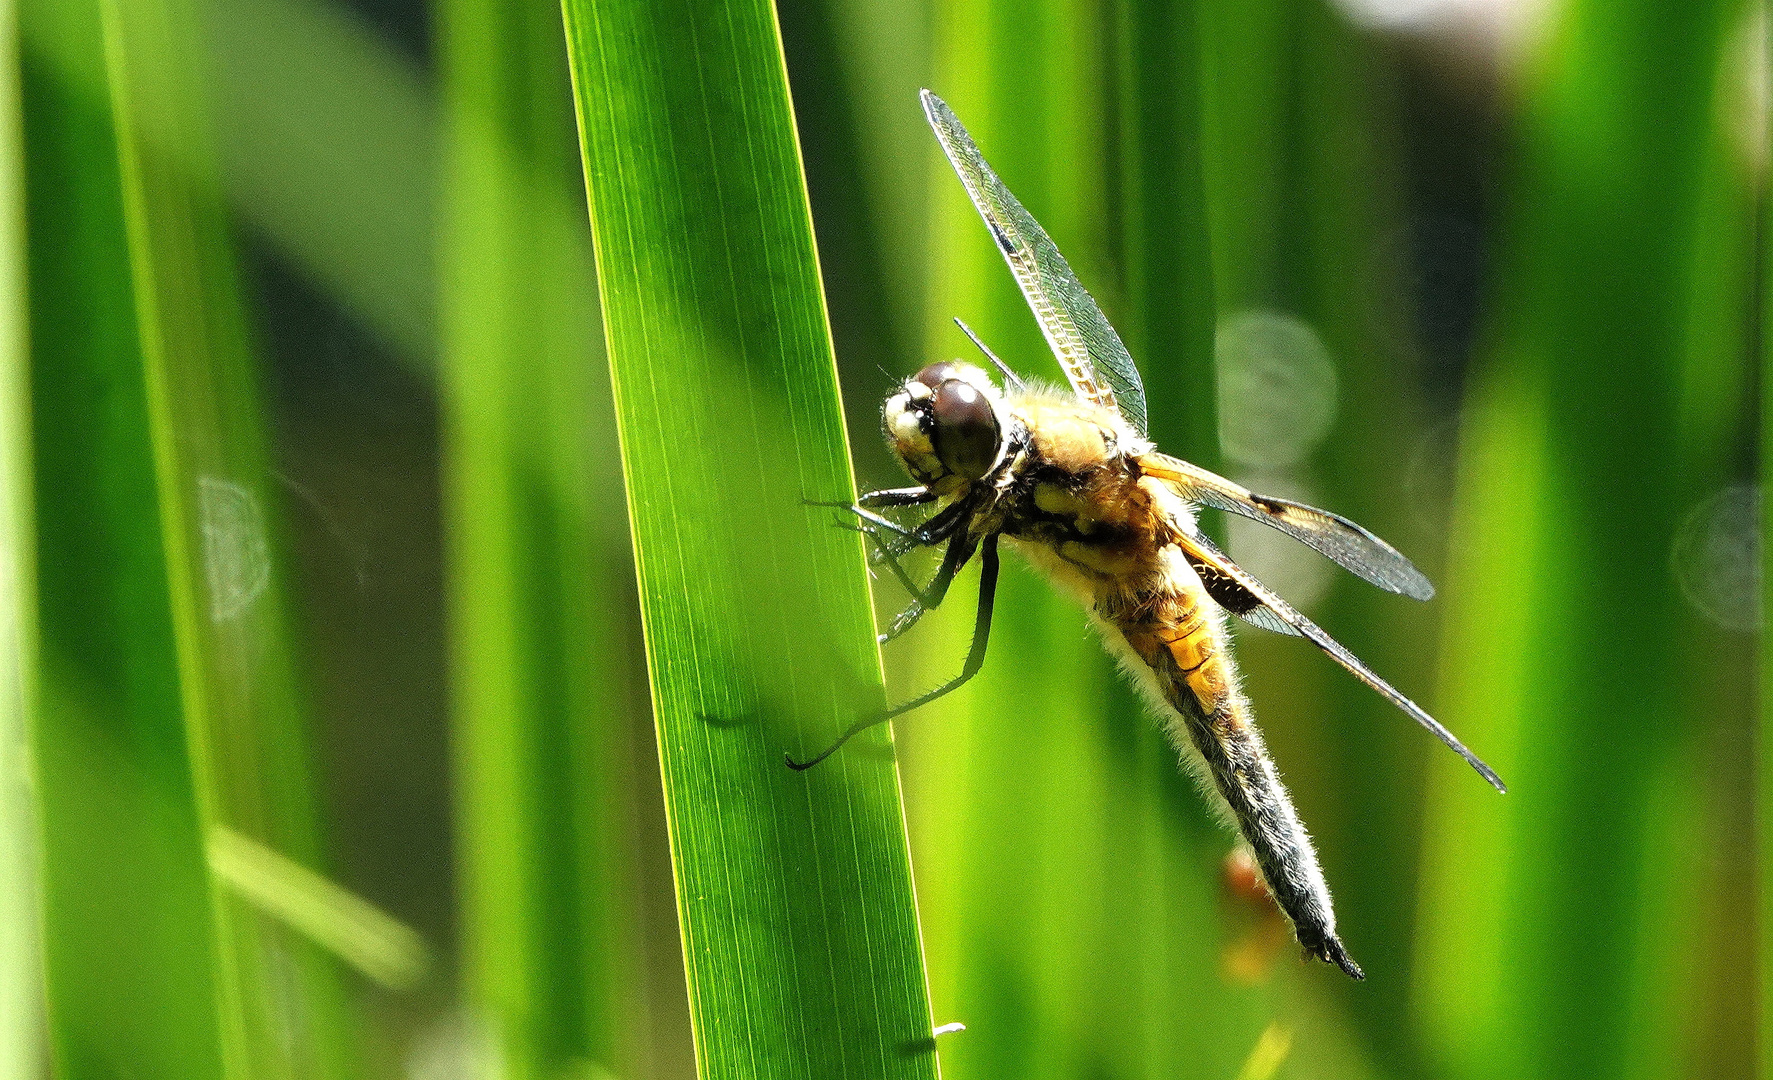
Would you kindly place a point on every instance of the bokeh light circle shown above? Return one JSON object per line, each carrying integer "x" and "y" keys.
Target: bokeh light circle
{"x": 1277, "y": 389}
{"x": 1717, "y": 558}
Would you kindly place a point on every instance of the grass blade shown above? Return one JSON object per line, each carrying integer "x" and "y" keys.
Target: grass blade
{"x": 130, "y": 986}
{"x": 21, "y": 967}
{"x": 279, "y": 1002}
{"x": 1555, "y": 938}
{"x": 349, "y": 927}
{"x": 799, "y": 927}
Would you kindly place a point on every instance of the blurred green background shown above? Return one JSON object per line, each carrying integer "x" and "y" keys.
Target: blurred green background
{"x": 326, "y": 738}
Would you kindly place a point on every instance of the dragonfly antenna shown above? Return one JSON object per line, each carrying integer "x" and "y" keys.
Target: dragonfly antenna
{"x": 1009, "y": 377}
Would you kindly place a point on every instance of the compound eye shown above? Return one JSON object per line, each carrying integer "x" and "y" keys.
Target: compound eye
{"x": 966, "y": 428}
{"x": 936, "y": 374}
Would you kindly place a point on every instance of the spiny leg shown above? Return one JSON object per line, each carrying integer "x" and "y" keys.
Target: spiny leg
{"x": 981, "y": 633}
{"x": 975, "y": 659}
{"x": 960, "y": 549}
{"x": 935, "y": 529}
{"x": 922, "y": 598}
{"x": 905, "y": 496}
{"x": 947, "y": 524}
{"x": 887, "y": 553}
{"x": 942, "y": 525}
{"x": 875, "y": 520}
{"x": 884, "y": 497}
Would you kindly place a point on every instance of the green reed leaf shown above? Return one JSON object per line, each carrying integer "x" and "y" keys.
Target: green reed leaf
{"x": 130, "y": 986}
{"x": 1560, "y": 927}
{"x": 799, "y": 929}
{"x": 177, "y": 402}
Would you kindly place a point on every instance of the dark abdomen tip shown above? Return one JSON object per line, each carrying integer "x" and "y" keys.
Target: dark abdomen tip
{"x": 1333, "y": 952}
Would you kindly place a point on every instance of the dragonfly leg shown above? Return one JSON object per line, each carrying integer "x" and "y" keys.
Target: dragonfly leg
{"x": 960, "y": 549}
{"x": 933, "y": 530}
{"x": 975, "y": 660}
{"x": 887, "y": 553}
{"x": 905, "y": 496}
{"x": 879, "y": 522}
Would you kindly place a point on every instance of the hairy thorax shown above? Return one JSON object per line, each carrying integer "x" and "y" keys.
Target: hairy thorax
{"x": 1081, "y": 511}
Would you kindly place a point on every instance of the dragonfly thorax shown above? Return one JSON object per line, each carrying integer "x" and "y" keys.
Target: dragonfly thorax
{"x": 946, "y": 425}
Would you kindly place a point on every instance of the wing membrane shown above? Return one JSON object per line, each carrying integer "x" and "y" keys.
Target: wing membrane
{"x": 1352, "y": 547}
{"x": 1239, "y": 592}
{"x": 1095, "y": 361}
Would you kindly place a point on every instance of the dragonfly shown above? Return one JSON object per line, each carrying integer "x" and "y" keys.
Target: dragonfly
{"x": 1073, "y": 483}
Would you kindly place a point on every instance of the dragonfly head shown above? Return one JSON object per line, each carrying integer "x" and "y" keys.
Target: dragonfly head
{"x": 946, "y": 425}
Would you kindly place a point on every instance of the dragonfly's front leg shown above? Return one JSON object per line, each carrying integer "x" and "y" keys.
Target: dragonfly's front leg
{"x": 905, "y": 496}
{"x": 932, "y": 531}
{"x": 884, "y": 498}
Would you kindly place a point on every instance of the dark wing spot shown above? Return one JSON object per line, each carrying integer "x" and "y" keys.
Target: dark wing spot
{"x": 1002, "y": 238}
{"x": 1226, "y": 592}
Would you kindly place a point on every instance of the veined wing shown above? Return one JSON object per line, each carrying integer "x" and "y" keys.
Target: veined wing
{"x": 1236, "y": 590}
{"x": 1094, "y": 359}
{"x": 1351, "y": 546}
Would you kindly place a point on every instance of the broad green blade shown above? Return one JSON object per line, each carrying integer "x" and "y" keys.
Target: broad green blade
{"x": 799, "y": 928}
{"x": 283, "y": 1007}
{"x": 131, "y": 986}
{"x": 219, "y": 555}
{"x": 548, "y": 700}
{"x": 1564, "y": 931}
{"x": 21, "y": 965}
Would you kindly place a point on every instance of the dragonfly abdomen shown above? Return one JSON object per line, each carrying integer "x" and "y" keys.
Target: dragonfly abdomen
{"x": 1185, "y": 652}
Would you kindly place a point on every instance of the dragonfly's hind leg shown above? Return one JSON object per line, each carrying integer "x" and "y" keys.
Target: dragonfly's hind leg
{"x": 975, "y": 655}
{"x": 981, "y": 630}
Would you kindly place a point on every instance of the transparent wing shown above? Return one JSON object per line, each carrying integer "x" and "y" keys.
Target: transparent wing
{"x": 1236, "y": 590}
{"x": 1095, "y": 361}
{"x": 1354, "y": 548}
